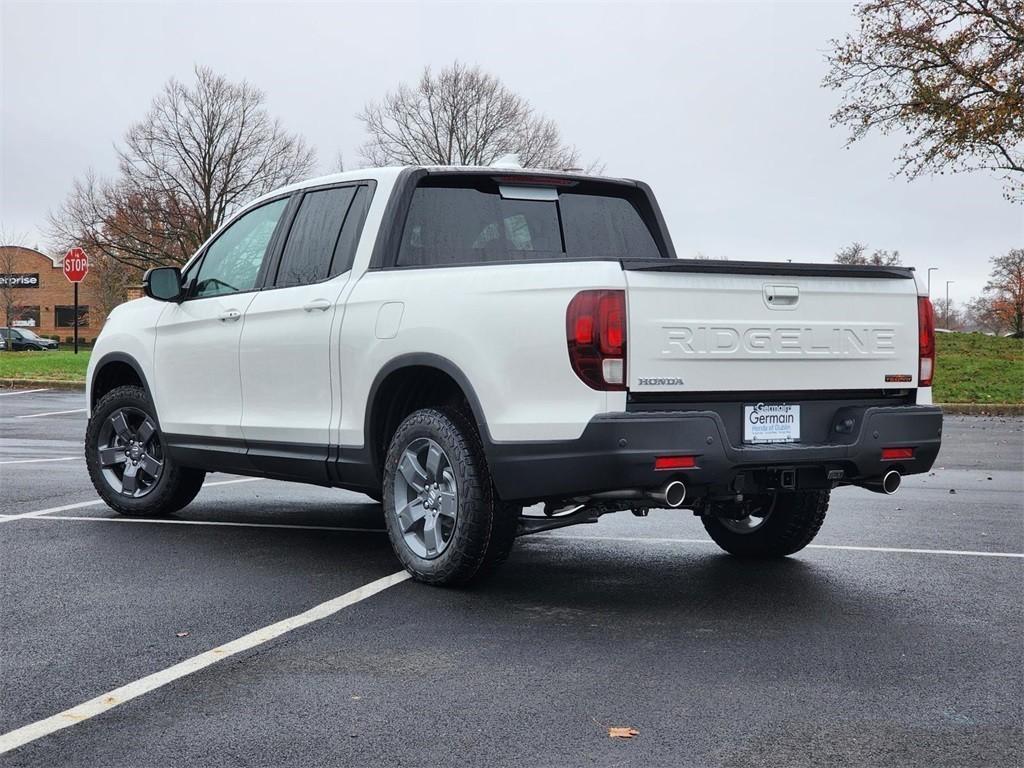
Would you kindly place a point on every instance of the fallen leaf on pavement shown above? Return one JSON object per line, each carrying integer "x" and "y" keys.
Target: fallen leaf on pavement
{"x": 622, "y": 732}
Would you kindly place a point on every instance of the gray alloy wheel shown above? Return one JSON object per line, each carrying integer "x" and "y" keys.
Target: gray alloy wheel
{"x": 426, "y": 498}
{"x": 130, "y": 453}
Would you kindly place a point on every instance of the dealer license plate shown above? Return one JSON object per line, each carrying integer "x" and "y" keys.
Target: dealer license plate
{"x": 771, "y": 423}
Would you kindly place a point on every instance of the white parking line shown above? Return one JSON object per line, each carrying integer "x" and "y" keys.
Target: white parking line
{"x": 22, "y": 392}
{"x": 97, "y": 502}
{"x": 348, "y": 529}
{"x": 62, "y": 508}
{"x": 901, "y": 550}
{"x": 50, "y": 413}
{"x": 847, "y": 547}
{"x": 107, "y": 701}
{"x": 39, "y": 461}
{"x": 232, "y": 482}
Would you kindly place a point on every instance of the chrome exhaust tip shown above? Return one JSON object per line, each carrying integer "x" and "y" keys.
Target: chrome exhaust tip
{"x": 888, "y": 484}
{"x": 672, "y": 495}
{"x": 891, "y": 481}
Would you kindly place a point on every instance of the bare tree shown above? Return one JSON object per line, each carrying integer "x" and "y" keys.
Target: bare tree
{"x": 201, "y": 152}
{"x": 857, "y": 253}
{"x": 947, "y": 313}
{"x": 9, "y": 296}
{"x": 112, "y": 281}
{"x": 1006, "y": 287}
{"x": 460, "y": 116}
{"x": 949, "y": 73}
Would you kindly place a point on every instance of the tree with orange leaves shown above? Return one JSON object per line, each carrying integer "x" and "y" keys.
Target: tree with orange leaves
{"x": 1006, "y": 284}
{"x": 947, "y": 73}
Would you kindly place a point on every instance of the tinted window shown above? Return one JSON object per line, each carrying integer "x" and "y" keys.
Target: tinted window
{"x": 232, "y": 263}
{"x": 465, "y": 226}
{"x": 314, "y": 236}
{"x": 601, "y": 227}
{"x": 345, "y": 251}
{"x": 457, "y": 225}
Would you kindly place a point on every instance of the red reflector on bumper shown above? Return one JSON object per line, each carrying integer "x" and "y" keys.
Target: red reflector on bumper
{"x": 675, "y": 462}
{"x": 892, "y": 454}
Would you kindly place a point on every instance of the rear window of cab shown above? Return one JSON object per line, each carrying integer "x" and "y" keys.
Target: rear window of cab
{"x": 479, "y": 221}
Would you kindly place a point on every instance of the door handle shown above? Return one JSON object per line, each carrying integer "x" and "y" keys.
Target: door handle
{"x": 322, "y": 304}
{"x": 230, "y": 315}
{"x": 781, "y": 296}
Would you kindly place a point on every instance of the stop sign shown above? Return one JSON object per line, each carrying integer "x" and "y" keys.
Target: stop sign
{"x": 76, "y": 265}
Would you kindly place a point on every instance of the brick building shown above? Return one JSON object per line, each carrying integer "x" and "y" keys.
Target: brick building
{"x": 44, "y": 299}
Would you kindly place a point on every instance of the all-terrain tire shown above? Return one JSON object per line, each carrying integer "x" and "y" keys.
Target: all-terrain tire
{"x": 793, "y": 523}
{"x": 485, "y": 528}
{"x": 175, "y": 488}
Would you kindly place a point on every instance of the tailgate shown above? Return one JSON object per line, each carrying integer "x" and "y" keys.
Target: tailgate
{"x": 743, "y": 328}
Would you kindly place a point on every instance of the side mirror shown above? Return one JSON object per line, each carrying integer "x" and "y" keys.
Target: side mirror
{"x": 162, "y": 283}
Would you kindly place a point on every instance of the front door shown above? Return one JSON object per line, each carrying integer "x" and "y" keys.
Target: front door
{"x": 197, "y": 385}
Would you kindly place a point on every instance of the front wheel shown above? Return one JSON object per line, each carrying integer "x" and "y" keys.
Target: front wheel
{"x": 128, "y": 462}
{"x": 784, "y": 523}
{"x": 444, "y": 520}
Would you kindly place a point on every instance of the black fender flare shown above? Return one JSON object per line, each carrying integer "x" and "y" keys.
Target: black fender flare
{"x": 117, "y": 357}
{"x": 425, "y": 360}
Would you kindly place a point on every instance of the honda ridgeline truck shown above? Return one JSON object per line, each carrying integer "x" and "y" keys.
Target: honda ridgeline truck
{"x": 463, "y": 343}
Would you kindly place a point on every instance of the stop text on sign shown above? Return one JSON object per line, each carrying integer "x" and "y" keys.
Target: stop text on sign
{"x": 76, "y": 265}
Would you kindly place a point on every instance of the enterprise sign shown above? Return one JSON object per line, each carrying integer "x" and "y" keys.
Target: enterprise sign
{"x": 23, "y": 280}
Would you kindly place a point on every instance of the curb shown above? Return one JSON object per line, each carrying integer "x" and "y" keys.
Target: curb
{"x": 78, "y": 386}
{"x": 982, "y": 409}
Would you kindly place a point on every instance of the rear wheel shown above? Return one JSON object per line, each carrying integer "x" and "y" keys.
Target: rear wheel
{"x": 782, "y": 524}
{"x": 444, "y": 520}
{"x": 127, "y": 460}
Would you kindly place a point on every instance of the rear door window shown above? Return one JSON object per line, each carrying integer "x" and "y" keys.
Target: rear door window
{"x": 314, "y": 236}
{"x": 348, "y": 241}
{"x": 469, "y": 225}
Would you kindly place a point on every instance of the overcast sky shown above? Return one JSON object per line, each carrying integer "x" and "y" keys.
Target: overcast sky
{"x": 719, "y": 107}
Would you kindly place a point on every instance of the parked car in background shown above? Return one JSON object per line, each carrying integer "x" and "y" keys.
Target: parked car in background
{"x": 22, "y": 339}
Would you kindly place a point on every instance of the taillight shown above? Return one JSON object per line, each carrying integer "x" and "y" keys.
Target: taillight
{"x": 595, "y": 327}
{"x": 925, "y": 341}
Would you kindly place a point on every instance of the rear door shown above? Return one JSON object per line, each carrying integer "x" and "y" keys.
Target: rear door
{"x": 744, "y": 328}
{"x": 288, "y": 389}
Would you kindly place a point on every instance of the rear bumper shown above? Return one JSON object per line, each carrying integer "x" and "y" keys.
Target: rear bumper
{"x": 617, "y": 451}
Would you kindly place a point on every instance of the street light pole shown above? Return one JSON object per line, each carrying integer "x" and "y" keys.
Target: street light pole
{"x": 930, "y": 270}
{"x": 947, "y": 302}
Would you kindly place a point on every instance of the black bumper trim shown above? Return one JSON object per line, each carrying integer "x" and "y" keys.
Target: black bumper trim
{"x": 617, "y": 451}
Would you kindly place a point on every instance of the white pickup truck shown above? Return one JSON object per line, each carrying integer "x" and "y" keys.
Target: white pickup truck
{"x": 464, "y": 343}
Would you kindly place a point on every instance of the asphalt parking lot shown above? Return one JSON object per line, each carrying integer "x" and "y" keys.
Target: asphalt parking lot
{"x": 896, "y": 640}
